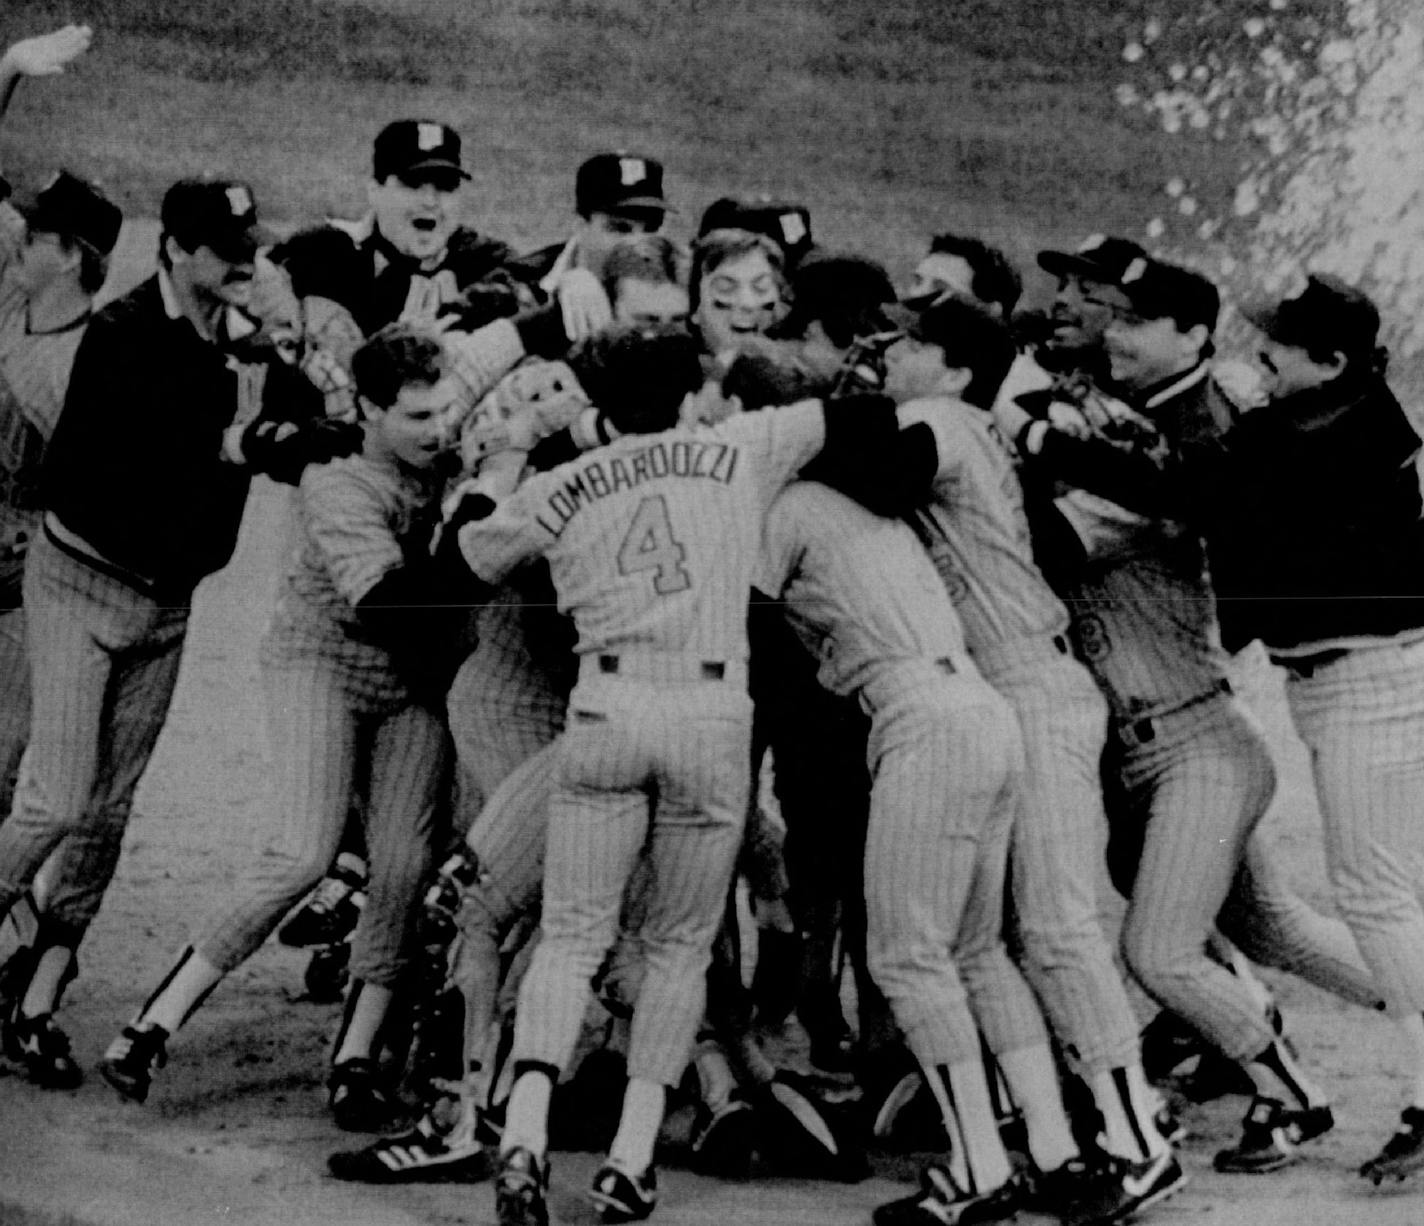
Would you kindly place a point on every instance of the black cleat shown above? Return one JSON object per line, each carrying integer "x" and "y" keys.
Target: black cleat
{"x": 942, "y": 1202}
{"x": 1121, "y": 1187}
{"x": 359, "y": 1099}
{"x": 42, "y": 1049}
{"x": 423, "y": 1155}
{"x": 1271, "y": 1135}
{"x": 724, "y": 1141}
{"x": 331, "y": 909}
{"x": 1403, "y": 1153}
{"x": 622, "y": 1197}
{"x": 521, "y": 1189}
{"x": 132, "y": 1059}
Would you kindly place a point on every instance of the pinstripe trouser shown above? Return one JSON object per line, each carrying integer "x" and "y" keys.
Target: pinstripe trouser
{"x": 628, "y": 742}
{"x": 1362, "y": 718}
{"x": 947, "y": 765}
{"x": 1057, "y": 858}
{"x": 103, "y": 663}
{"x": 333, "y": 729}
{"x": 14, "y": 703}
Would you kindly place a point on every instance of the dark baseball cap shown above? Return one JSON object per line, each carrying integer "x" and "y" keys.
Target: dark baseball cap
{"x": 620, "y": 183}
{"x": 1328, "y": 315}
{"x": 409, "y": 146}
{"x": 219, "y": 214}
{"x": 1158, "y": 290}
{"x": 1098, "y": 257}
{"x": 74, "y": 208}
{"x": 787, "y": 224}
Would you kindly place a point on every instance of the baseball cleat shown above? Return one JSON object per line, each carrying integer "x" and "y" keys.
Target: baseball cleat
{"x": 1121, "y": 1187}
{"x": 359, "y": 1099}
{"x": 942, "y": 1202}
{"x": 521, "y": 1189}
{"x": 1051, "y": 1191}
{"x": 724, "y": 1140}
{"x": 327, "y": 972}
{"x": 331, "y": 910}
{"x": 622, "y": 1197}
{"x": 422, "y": 1155}
{"x": 42, "y": 1049}
{"x": 132, "y": 1059}
{"x": 1271, "y": 1135}
{"x": 1403, "y": 1153}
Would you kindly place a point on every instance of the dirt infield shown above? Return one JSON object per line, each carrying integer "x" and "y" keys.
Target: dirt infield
{"x": 236, "y": 1129}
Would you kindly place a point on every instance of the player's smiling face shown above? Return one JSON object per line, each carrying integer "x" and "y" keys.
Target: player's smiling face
{"x": 418, "y": 212}
{"x": 1082, "y": 310}
{"x": 1142, "y": 352}
{"x": 740, "y": 297}
{"x": 420, "y": 426}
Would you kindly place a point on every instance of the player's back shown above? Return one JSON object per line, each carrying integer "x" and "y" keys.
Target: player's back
{"x": 860, "y": 589}
{"x": 653, "y": 539}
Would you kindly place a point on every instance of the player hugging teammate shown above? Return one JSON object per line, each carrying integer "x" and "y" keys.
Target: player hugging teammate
{"x": 626, "y": 572}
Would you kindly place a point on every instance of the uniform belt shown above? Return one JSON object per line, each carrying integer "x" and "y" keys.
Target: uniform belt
{"x": 662, "y": 667}
{"x": 1307, "y": 666}
{"x": 1144, "y": 731}
{"x": 72, "y": 546}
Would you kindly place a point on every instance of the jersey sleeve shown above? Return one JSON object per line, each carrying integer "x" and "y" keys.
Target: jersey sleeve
{"x": 780, "y": 547}
{"x": 783, "y": 441}
{"x": 492, "y": 547}
{"x": 349, "y": 524}
{"x": 949, "y": 442}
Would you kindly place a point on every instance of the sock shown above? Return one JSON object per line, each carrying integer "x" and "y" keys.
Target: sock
{"x": 643, "y": 1104}
{"x": 1277, "y": 1074}
{"x": 365, "y": 1011}
{"x": 183, "y": 989}
{"x": 1126, "y": 1103}
{"x": 526, "y": 1117}
{"x": 42, "y": 996}
{"x": 1033, "y": 1083}
{"x": 976, "y": 1159}
{"x": 715, "y": 1079}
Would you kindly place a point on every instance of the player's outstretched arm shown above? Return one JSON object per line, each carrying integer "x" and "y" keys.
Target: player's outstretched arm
{"x": 45, "y": 55}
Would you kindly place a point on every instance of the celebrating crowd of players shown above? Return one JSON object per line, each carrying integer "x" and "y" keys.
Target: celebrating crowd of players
{"x": 585, "y": 538}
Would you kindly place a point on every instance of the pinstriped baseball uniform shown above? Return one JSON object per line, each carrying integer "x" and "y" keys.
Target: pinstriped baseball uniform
{"x": 338, "y": 710}
{"x": 977, "y": 535}
{"x": 946, "y": 760}
{"x": 1187, "y": 763}
{"x": 651, "y": 544}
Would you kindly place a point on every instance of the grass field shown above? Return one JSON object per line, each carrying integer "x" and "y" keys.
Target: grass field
{"x": 891, "y": 119}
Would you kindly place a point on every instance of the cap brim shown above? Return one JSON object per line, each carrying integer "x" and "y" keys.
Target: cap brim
{"x": 640, "y": 204}
{"x": 434, "y": 164}
{"x": 241, "y": 246}
{"x": 1066, "y": 263}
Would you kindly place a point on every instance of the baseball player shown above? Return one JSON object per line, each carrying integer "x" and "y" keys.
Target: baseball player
{"x": 54, "y": 253}
{"x": 1186, "y": 762}
{"x": 1302, "y": 544}
{"x": 946, "y": 372}
{"x": 651, "y": 544}
{"x": 354, "y": 667}
{"x": 617, "y": 195}
{"x": 946, "y": 758}
{"x": 109, "y": 578}
{"x": 962, "y": 266}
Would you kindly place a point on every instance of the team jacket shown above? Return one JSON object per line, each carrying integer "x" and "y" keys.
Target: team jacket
{"x": 136, "y": 466}
{"x": 352, "y": 265}
{"x": 1310, "y": 507}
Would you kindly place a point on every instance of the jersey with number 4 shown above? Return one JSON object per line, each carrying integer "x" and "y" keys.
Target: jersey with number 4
{"x": 653, "y": 540}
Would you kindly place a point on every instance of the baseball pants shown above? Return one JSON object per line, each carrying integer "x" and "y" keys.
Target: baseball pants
{"x": 1362, "y": 718}
{"x": 1057, "y": 858}
{"x": 947, "y": 762}
{"x": 334, "y": 730}
{"x": 103, "y": 662}
{"x": 660, "y": 727}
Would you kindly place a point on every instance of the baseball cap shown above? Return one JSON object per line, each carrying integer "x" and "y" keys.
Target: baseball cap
{"x": 410, "y": 145}
{"x": 619, "y": 183}
{"x": 784, "y": 222}
{"x": 1327, "y": 315}
{"x": 74, "y": 208}
{"x": 1098, "y": 257}
{"x": 219, "y": 214}
{"x": 1158, "y": 290}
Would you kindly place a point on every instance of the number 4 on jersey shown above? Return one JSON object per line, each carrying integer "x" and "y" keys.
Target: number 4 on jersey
{"x": 650, "y": 545}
